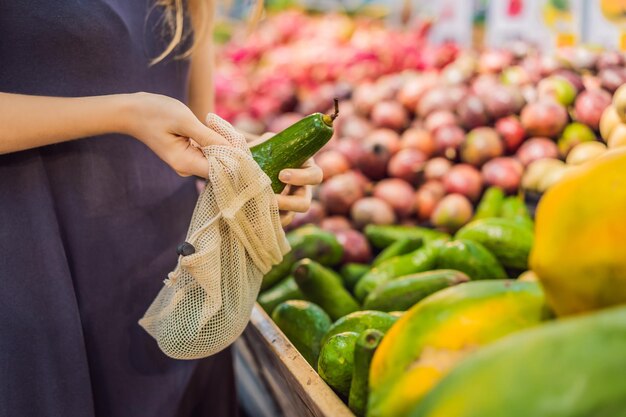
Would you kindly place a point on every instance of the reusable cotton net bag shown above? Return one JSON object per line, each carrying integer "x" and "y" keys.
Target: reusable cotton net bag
{"x": 237, "y": 236}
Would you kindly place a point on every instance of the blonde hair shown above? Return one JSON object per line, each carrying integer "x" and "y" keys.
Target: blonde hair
{"x": 202, "y": 12}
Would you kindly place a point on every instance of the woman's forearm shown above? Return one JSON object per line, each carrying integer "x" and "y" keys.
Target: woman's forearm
{"x": 32, "y": 121}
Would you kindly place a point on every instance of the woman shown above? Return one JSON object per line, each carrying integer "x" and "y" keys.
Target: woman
{"x": 89, "y": 227}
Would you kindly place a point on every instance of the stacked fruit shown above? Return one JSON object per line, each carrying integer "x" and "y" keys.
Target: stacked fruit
{"x": 336, "y": 311}
{"x": 434, "y": 326}
{"x": 293, "y": 62}
{"x": 419, "y": 148}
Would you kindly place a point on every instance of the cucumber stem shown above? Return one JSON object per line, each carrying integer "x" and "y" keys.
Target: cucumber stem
{"x": 329, "y": 119}
{"x": 334, "y": 115}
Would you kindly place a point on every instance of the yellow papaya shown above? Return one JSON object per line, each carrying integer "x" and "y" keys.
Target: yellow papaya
{"x": 579, "y": 254}
{"x": 573, "y": 367}
{"x": 435, "y": 334}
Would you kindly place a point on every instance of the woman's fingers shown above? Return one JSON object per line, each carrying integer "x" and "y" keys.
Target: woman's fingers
{"x": 202, "y": 134}
{"x": 191, "y": 162}
{"x": 299, "y": 201}
{"x": 309, "y": 174}
{"x": 225, "y": 129}
{"x": 286, "y": 217}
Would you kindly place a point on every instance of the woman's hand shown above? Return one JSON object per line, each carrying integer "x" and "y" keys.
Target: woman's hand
{"x": 166, "y": 126}
{"x": 296, "y": 197}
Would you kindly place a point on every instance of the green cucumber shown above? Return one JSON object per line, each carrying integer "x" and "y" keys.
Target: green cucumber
{"x": 572, "y": 367}
{"x": 351, "y": 274}
{"x": 490, "y": 204}
{"x": 285, "y": 290}
{"x": 364, "y": 350}
{"x": 307, "y": 242}
{"x": 381, "y": 236}
{"x": 404, "y": 292}
{"x": 398, "y": 248}
{"x": 514, "y": 208}
{"x": 421, "y": 260}
{"x": 470, "y": 257}
{"x": 304, "y": 324}
{"x": 336, "y": 362}
{"x": 324, "y": 287}
{"x": 294, "y": 146}
{"x": 359, "y": 321}
{"x": 508, "y": 240}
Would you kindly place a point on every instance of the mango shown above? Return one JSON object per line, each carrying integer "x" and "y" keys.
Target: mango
{"x": 579, "y": 252}
{"x": 434, "y": 335}
{"x": 569, "y": 368}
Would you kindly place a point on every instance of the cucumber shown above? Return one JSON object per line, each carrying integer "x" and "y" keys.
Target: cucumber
{"x": 398, "y": 248}
{"x": 421, "y": 260}
{"x": 285, "y": 290}
{"x": 514, "y": 208}
{"x": 508, "y": 240}
{"x": 324, "y": 287}
{"x": 490, "y": 204}
{"x": 360, "y": 321}
{"x": 294, "y": 146}
{"x": 351, "y": 274}
{"x": 364, "y": 350}
{"x": 307, "y": 242}
{"x": 336, "y": 361}
{"x": 471, "y": 258}
{"x": 381, "y": 236}
{"x": 568, "y": 368}
{"x": 404, "y": 292}
{"x": 304, "y": 324}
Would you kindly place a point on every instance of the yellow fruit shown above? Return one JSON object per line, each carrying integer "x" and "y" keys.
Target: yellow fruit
{"x": 609, "y": 120}
{"x": 536, "y": 170}
{"x": 527, "y": 276}
{"x": 552, "y": 177}
{"x": 441, "y": 330}
{"x": 619, "y": 102}
{"x": 579, "y": 253}
{"x": 618, "y": 137}
{"x": 584, "y": 152}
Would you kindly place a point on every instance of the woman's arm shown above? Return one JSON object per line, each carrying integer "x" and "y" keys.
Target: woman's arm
{"x": 162, "y": 123}
{"x": 201, "y": 72}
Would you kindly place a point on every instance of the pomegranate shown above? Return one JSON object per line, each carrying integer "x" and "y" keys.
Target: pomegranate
{"x": 372, "y": 210}
{"x": 464, "y": 179}
{"x": 511, "y": 131}
{"x": 544, "y": 118}
{"x": 408, "y": 164}
{"x": 480, "y": 145}
{"x": 537, "y": 148}
{"x": 504, "y": 172}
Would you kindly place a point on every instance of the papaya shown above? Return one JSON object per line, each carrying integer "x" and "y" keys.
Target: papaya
{"x": 364, "y": 350}
{"x": 404, "y": 292}
{"x": 397, "y": 248}
{"x": 569, "y": 368}
{"x": 324, "y": 287}
{"x": 381, "y": 236}
{"x": 423, "y": 259}
{"x": 471, "y": 258}
{"x": 579, "y": 253}
{"x": 359, "y": 321}
{"x": 336, "y": 361}
{"x": 509, "y": 241}
{"x": 436, "y": 333}
{"x": 285, "y": 290}
{"x": 306, "y": 242}
{"x": 304, "y": 324}
{"x": 490, "y": 204}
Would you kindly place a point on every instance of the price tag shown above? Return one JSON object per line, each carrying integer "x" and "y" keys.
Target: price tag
{"x": 545, "y": 23}
{"x": 606, "y": 24}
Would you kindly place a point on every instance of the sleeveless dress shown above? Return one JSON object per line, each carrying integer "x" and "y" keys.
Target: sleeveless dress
{"x": 89, "y": 228}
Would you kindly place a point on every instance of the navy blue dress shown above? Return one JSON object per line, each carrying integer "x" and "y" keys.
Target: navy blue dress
{"x": 89, "y": 228}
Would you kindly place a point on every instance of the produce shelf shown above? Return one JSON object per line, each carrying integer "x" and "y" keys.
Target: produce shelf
{"x": 281, "y": 370}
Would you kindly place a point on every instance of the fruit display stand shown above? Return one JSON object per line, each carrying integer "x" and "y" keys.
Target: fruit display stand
{"x": 267, "y": 356}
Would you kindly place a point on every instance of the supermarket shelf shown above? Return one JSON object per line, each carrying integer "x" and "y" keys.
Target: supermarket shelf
{"x": 275, "y": 380}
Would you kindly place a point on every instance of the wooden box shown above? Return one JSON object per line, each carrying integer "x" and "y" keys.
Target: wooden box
{"x": 267, "y": 363}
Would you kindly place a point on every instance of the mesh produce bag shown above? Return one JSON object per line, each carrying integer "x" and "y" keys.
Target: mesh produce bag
{"x": 237, "y": 236}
